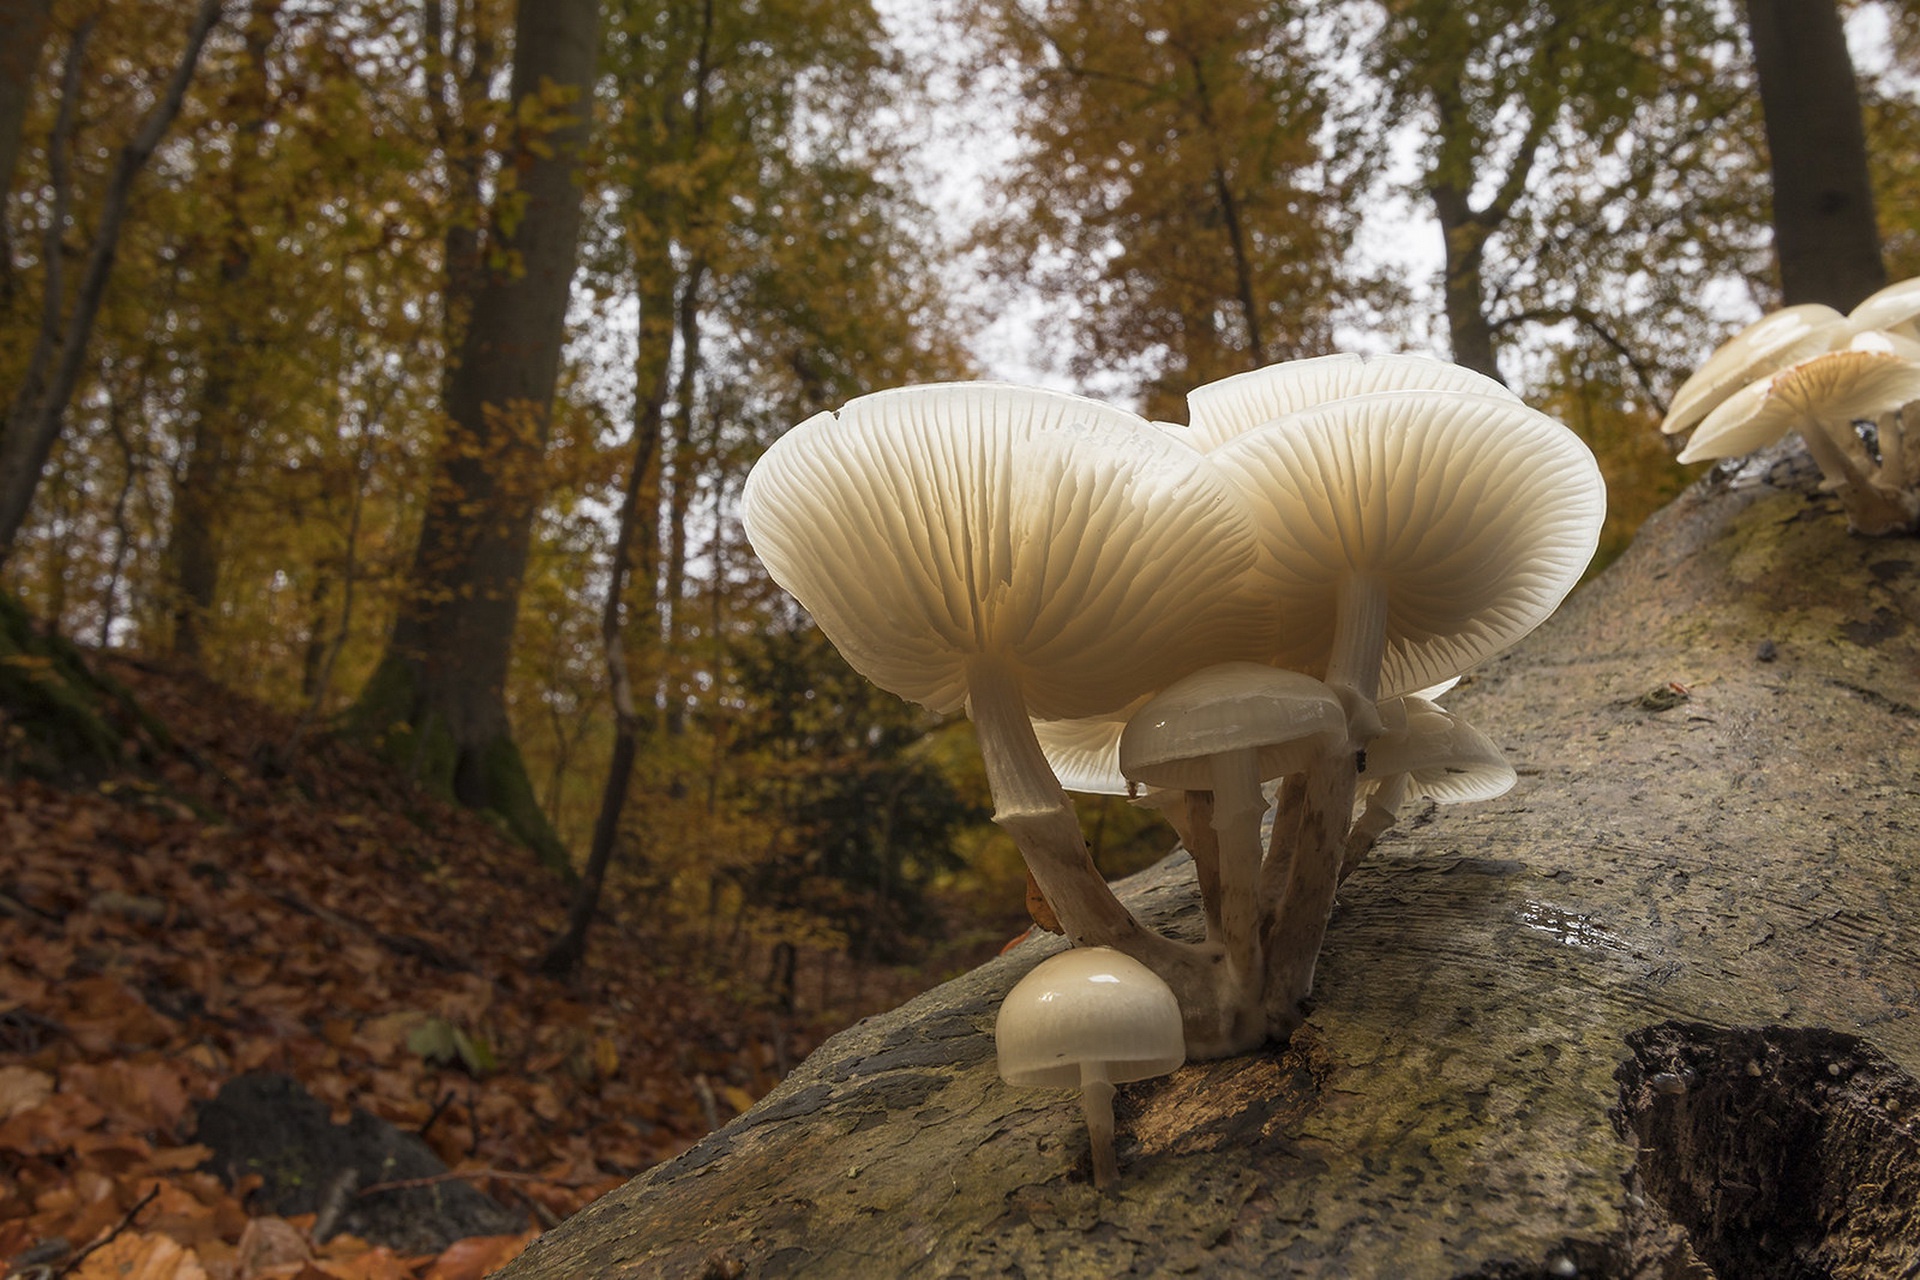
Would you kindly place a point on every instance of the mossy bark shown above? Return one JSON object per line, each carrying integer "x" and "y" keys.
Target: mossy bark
{"x": 1717, "y": 826}
{"x": 482, "y": 770}
{"x": 60, "y": 719}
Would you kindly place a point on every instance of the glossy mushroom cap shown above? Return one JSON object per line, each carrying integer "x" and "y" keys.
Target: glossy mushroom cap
{"x": 1471, "y": 516}
{"x": 1088, "y": 1007}
{"x": 1086, "y": 550}
{"x": 1442, "y": 756}
{"x": 1770, "y": 343}
{"x": 1222, "y": 410}
{"x": 1875, "y": 373}
{"x": 1284, "y": 717}
{"x": 1896, "y": 308}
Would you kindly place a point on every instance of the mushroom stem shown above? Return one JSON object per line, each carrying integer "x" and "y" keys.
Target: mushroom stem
{"x": 1893, "y": 463}
{"x": 1293, "y": 933}
{"x": 1238, "y": 807}
{"x": 1359, "y": 638}
{"x": 1190, "y": 813}
{"x": 1381, "y": 812}
{"x": 1096, "y": 1101}
{"x": 1030, "y": 806}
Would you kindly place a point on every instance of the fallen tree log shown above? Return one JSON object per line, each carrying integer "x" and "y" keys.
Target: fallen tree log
{"x": 1654, "y": 1013}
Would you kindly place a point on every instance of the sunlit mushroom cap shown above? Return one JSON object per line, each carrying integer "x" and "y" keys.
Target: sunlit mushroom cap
{"x": 1222, "y": 410}
{"x": 1285, "y": 716}
{"x": 1770, "y": 343}
{"x": 1875, "y": 373}
{"x": 1475, "y": 515}
{"x": 1441, "y": 755}
{"x": 1896, "y": 307}
{"x": 925, "y": 526}
{"x": 1088, "y": 1005}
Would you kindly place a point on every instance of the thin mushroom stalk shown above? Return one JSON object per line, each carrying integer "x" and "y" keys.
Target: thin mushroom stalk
{"x": 1031, "y": 807}
{"x": 1096, "y": 1102}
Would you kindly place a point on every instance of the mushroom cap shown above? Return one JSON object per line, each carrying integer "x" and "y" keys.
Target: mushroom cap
{"x": 1874, "y": 374}
{"x": 925, "y": 527}
{"x": 1896, "y": 307}
{"x": 1222, "y": 410}
{"x": 1085, "y": 754}
{"x": 1474, "y": 515}
{"x": 1285, "y": 716}
{"x": 1772, "y": 342}
{"x": 1441, "y": 755}
{"x": 1088, "y": 1005}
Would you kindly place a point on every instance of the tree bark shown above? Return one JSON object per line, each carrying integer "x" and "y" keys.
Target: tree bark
{"x": 444, "y": 672}
{"x": 1824, "y": 233}
{"x": 1518, "y": 1061}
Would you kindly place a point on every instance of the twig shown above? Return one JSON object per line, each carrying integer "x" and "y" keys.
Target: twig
{"x": 73, "y": 1263}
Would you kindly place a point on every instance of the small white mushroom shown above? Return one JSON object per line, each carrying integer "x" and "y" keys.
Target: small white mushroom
{"x": 1871, "y": 379}
{"x": 1089, "y": 1018}
{"x": 1226, "y": 730}
{"x": 1895, "y": 308}
{"x": 1424, "y": 750}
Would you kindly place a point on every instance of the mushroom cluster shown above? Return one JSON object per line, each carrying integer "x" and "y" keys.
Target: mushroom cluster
{"x": 1849, "y": 384}
{"x": 1241, "y": 621}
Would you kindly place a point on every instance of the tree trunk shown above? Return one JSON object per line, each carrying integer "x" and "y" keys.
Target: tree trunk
{"x": 1717, "y": 742}
{"x": 1823, "y": 224}
{"x": 201, "y": 492}
{"x": 443, "y": 676}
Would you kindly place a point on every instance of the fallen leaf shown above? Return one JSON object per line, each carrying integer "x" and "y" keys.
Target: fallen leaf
{"x": 133, "y": 1256}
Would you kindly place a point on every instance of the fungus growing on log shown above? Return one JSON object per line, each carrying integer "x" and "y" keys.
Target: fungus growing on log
{"x": 1088, "y": 1019}
{"x": 1361, "y": 530}
{"x": 1821, "y": 375}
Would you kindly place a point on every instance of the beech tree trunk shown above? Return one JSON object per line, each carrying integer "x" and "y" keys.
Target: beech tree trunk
{"x": 1823, "y": 222}
{"x": 1655, "y": 1013}
{"x": 443, "y": 676}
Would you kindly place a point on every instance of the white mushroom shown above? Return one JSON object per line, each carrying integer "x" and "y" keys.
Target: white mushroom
{"x": 1424, "y": 750}
{"x": 1226, "y": 730}
{"x": 1404, "y": 537}
{"x": 1895, "y": 308}
{"x": 1770, "y": 343}
{"x": 1089, "y": 1018}
{"x": 1871, "y": 379}
{"x": 1017, "y": 552}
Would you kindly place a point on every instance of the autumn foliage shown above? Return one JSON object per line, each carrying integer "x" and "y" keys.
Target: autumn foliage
{"x": 236, "y": 911}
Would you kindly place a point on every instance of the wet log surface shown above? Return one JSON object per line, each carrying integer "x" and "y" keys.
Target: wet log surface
{"x": 1654, "y": 1013}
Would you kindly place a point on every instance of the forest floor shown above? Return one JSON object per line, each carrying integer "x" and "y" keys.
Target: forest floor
{"x": 231, "y": 911}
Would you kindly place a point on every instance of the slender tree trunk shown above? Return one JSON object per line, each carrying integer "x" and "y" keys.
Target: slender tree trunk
{"x": 40, "y": 404}
{"x": 194, "y": 544}
{"x": 1469, "y": 332}
{"x": 1823, "y": 224}
{"x": 635, "y": 558}
{"x": 685, "y": 479}
{"x": 444, "y": 673}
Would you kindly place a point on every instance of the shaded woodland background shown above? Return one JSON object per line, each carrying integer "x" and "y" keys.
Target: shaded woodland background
{"x": 389, "y": 370}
